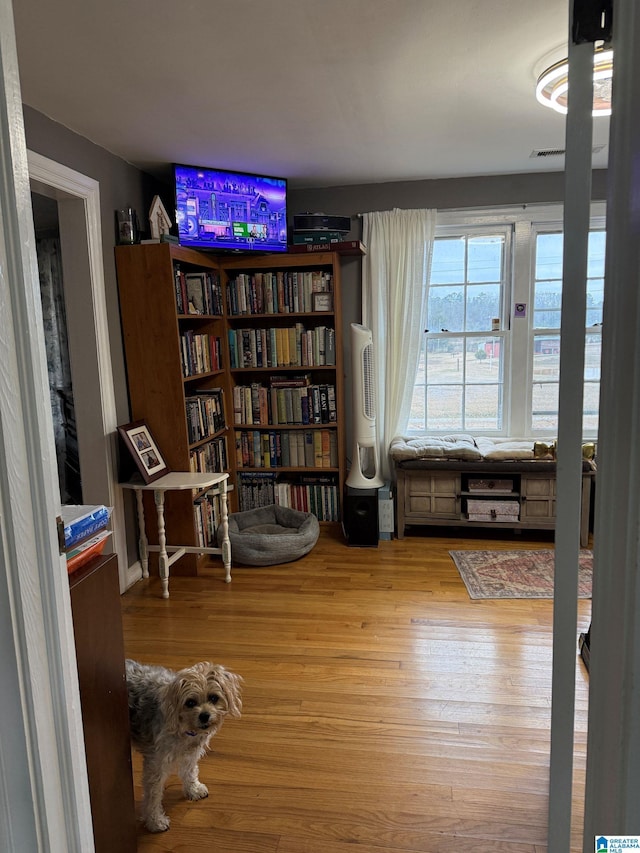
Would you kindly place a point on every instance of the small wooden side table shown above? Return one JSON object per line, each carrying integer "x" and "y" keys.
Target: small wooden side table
{"x": 215, "y": 484}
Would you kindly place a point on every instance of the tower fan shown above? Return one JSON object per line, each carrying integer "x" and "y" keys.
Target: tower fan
{"x": 365, "y": 463}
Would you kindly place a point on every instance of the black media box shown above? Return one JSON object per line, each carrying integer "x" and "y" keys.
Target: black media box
{"x": 360, "y": 517}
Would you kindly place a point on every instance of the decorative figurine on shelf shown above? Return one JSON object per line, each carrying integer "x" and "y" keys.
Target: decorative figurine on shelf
{"x": 159, "y": 222}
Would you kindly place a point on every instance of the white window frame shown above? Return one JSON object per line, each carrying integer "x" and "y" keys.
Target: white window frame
{"x": 518, "y": 368}
{"x": 484, "y": 230}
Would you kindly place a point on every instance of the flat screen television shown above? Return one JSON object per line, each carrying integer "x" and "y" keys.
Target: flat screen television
{"x": 219, "y": 209}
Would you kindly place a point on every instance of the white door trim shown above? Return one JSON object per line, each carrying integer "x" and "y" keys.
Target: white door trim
{"x": 67, "y": 182}
{"x": 44, "y": 794}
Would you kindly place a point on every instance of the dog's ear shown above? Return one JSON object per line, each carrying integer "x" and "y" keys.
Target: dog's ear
{"x": 172, "y": 701}
{"x": 230, "y": 684}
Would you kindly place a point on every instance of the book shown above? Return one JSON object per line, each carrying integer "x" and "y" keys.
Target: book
{"x": 344, "y": 247}
{"x": 196, "y": 299}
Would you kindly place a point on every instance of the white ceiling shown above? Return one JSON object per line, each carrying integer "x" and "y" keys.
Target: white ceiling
{"x": 322, "y": 92}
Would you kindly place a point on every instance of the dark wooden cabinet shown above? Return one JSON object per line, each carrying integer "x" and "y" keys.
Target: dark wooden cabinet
{"x": 97, "y": 627}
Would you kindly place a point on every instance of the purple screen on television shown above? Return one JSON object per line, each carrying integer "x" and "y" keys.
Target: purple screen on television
{"x": 217, "y": 209}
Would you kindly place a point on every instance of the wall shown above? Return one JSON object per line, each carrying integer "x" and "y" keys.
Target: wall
{"x": 122, "y": 185}
{"x": 444, "y": 194}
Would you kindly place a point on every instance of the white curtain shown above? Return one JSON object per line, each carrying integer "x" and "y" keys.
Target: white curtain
{"x": 395, "y": 272}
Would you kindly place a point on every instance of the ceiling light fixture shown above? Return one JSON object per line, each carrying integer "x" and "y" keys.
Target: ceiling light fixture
{"x": 553, "y": 84}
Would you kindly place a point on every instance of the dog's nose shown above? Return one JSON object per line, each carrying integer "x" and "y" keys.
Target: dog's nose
{"x": 204, "y": 717}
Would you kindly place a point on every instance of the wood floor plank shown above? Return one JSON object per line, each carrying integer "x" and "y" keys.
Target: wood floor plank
{"x": 384, "y": 711}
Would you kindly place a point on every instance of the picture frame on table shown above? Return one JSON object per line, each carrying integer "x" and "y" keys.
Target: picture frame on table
{"x": 322, "y": 301}
{"x": 144, "y": 451}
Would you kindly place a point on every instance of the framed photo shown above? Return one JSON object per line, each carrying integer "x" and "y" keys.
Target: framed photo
{"x": 144, "y": 450}
{"x": 322, "y": 301}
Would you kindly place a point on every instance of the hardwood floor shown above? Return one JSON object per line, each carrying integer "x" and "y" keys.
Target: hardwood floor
{"x": 384, "y": 711}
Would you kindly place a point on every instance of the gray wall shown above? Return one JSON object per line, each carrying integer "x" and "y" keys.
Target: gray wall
{"x": 444, "y": 194}
{"x": 122, "y": 185}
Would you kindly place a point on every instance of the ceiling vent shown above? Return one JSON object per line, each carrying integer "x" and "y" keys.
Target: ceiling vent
{"x": 558, "y": 152}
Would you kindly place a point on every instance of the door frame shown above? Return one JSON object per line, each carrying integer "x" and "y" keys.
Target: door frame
{"x": 78, "y": 199}
{"x": 44, "y": 793}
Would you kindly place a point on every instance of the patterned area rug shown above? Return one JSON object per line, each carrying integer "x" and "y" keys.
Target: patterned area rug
{"x": 516, "y": 574}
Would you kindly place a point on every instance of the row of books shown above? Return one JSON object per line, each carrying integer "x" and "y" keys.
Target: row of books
{"x": 256, "y": 489}
{"x": 292, "y": 346}
{"x": 287, "y": 448}
{"x": 212, "y": 456}
{"x": 207, "y": 515}
{"x": 205, "y": 414}
{"x": 198, "y": 292}
{"x": 318, "y": 495}
{"x": 282, "y": 292}
{"x": 319, "y": 498}
{"x": 200, "y": 353}
{"x": 257, "y": 404}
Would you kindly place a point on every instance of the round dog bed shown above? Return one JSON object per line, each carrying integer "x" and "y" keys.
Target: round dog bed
{"x": 270, "y": 535}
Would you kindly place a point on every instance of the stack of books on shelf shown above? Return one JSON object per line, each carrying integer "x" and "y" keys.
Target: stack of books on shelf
{"x": 256, "y": 489}
{"x": 292, "y": 346}
{"x": 286, "y": 448}
{"x": 281, "y": 292}
{"x": 292, "y": 400}
{"x": 200, "y": 353}
{"x": 205, "y": 414}
{"x": 211, "y": 457}
{"x": 198, "y": 292}
{"x": 207, "y": 516}
{"x": 316, "y": 494}
{"x": 85, "y": 533}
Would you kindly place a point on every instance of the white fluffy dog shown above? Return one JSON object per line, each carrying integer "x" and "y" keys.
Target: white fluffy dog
{"x": 173, "y": 716}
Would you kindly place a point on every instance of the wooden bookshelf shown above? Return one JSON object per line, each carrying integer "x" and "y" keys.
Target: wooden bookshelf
{"x": 271, "y": 317}
{"x": 162, "y": 374}
{"x": 156, "y": 330}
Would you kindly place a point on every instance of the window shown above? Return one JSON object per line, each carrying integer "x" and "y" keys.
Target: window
{"x": 546, "y": 330}
{"x": 460, "y": 381}
{"x": 483, "y": 366}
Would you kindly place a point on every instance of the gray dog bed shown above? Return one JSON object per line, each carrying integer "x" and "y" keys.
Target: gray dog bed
{"x": 271, "y": 534}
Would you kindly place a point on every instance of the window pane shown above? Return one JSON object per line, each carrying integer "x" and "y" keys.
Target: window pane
{"x": 592, "y": 356}
{"x": 591, "y": 406}
{"x": 483, "y": 303}
{"x": 546, "y": 357}
{"x": 417, "y": 414}
{"x": 595, "y": 300}
{"x": 482, "y": 409}
{"x": 445, "y": 309}
{"x": 445, "y": 360}
{"x": 544, "y": 409}
{"x": 447, "y": 260}
{"x": 595, "y": 259}
{"x": 484, "y": 360}
{"x": 485, "y": 259}
{"x": 444, "y": 408}
{"x": 546, "y": 305}
{"x": 549, "y": 256}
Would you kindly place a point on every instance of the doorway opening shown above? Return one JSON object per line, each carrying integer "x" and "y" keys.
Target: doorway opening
{"x": 54, "y": 315}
